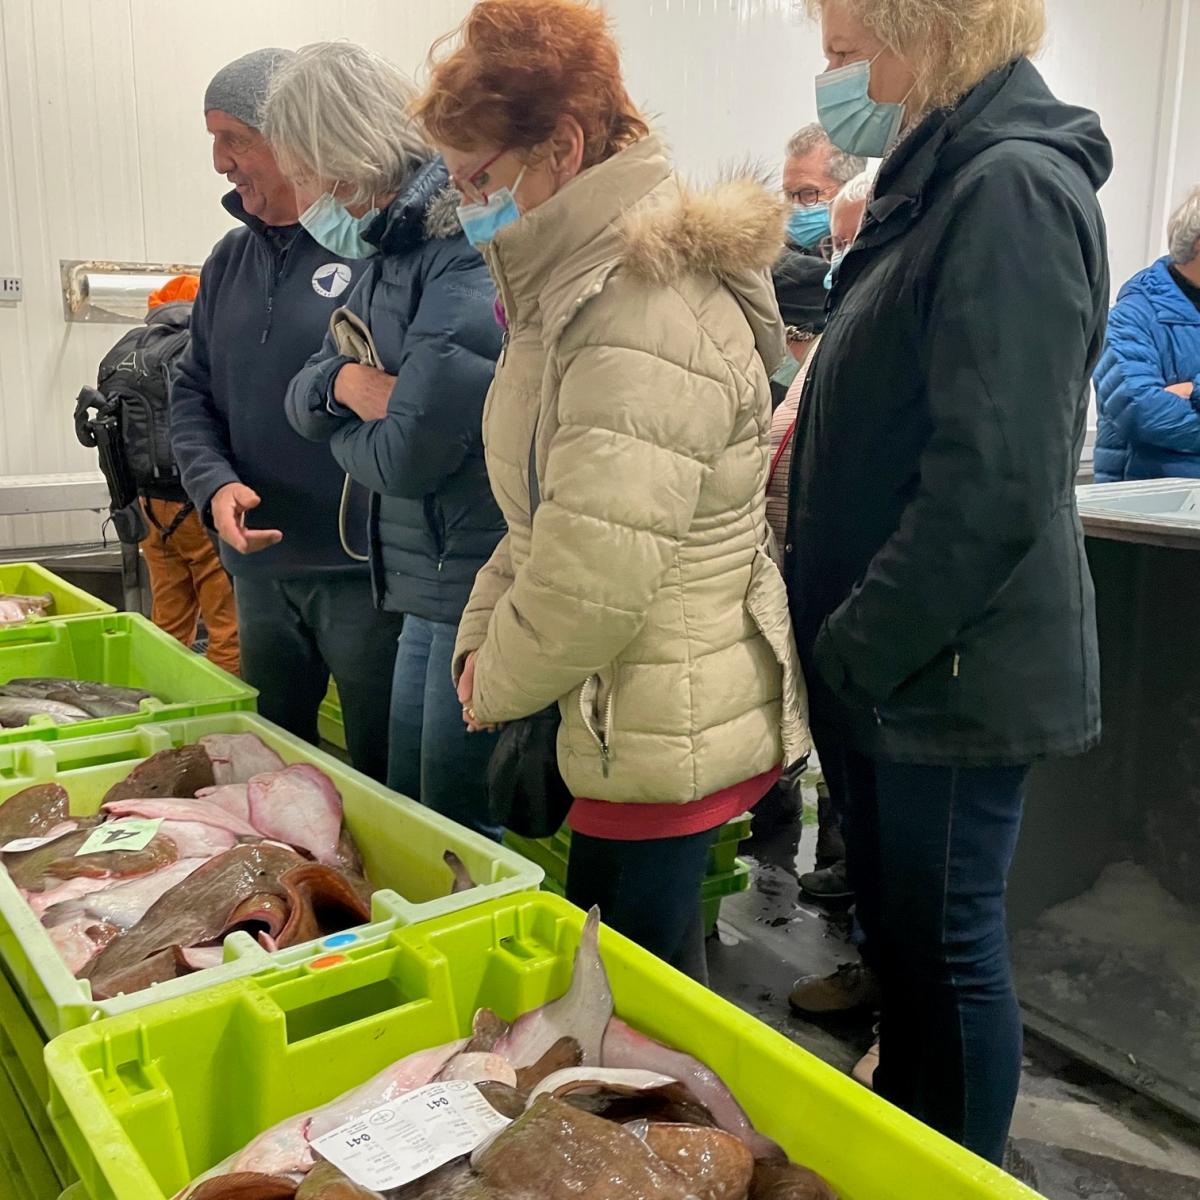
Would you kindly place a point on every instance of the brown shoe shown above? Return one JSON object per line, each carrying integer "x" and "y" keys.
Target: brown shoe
{"x": 864, "y": 1070}
{"x": 851, "y": 986}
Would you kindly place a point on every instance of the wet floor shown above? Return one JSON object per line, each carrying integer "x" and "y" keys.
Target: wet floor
{"x": 1077, "y": 1135}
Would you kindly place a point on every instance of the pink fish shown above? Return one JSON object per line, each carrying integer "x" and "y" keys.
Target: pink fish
{"x": 300, "y": 806}
{"x": 69, "y": 889}
{"x": 178, "y": 809}
{"x": 195, "y": 840}
{"x": 238, "y": 757}
{"x": 626, "y": 1048}
{"x": 79, "y": 940}
{"x": 583, "y": 1013}
{"x": 232, "y": 797}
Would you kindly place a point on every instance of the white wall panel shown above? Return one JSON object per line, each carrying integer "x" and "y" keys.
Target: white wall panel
{"x": 103, "y": 150}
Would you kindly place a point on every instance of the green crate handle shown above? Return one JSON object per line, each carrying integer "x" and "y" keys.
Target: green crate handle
{"x": 29, "y": 633}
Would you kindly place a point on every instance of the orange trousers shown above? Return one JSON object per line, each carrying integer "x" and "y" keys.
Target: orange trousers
{"x": 187, "y": 580}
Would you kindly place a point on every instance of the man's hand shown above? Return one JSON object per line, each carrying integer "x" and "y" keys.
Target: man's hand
{"x": 364, "y": 391}
{"x": 1185, "y": 390}
{"x": 229, "y": 508}
{"x": 466, "y": 693}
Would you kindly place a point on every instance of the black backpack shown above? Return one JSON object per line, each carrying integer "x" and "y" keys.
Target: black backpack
{"x": 127, "y": 416}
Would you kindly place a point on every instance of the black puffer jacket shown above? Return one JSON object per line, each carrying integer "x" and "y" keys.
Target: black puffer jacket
{"x": 939, "y": 588}
{"x": 428, "y": 301}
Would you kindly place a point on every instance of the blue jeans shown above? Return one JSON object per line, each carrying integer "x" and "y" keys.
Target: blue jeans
{"x": 431, "y": 756}
{"x": 928, "y": 850}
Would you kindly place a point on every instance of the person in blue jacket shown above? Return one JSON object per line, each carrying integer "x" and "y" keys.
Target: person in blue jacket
{"x": 1148, "y": 379}
{"x": 291, "y": 535}
{"x": 409, "y": 425}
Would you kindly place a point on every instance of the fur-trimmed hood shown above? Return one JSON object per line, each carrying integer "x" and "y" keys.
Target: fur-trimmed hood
{"x": 632, "y": 213}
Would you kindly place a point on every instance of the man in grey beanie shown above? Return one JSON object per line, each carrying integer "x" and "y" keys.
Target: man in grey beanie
{"x": 304, "y": 596}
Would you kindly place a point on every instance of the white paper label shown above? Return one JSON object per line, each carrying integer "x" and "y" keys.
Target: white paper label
{"x": 397, "y": 1143}
{"x": 128, "y": 833}
{"x": 22, "y": 844}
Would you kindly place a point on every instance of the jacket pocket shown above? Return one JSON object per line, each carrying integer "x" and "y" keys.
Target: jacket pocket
{"x": 596, "y": 709}
{"x": 767, "y": 604}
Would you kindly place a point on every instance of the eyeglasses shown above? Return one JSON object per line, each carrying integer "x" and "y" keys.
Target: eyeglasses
{"x": 829, "y": 245}
{"x": 806, "y": 197}
{"x": 472, "y": 185}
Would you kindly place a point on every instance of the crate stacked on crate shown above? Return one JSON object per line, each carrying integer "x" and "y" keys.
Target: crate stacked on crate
{"x": 727, "y": 874}
{"x": 66, "y": 600}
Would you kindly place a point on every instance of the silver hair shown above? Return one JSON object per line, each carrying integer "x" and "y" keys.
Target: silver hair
{"x": 1183, "y": 230}
{"x": 842, "y": 166}
{"x": 858, "y": 190}
{"x": 338, "y": 113}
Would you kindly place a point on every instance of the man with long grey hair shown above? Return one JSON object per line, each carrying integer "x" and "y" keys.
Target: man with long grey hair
{"x": 266, "y": 295}
{"x": 1148, "y": 379}
{"x": 397, "y": 390}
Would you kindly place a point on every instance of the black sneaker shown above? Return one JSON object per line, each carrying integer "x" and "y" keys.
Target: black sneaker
{"x": 850, "y": 987}
{"x": 829, "y": 883}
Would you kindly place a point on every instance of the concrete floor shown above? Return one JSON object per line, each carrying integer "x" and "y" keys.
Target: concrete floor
{"x": 1077, "y": 1135}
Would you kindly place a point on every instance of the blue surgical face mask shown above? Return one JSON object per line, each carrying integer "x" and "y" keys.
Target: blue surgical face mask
{"x": 330, "y": 223}
{"x": 856, "y": 123}
{"x": 834, "y": 263}
{"x": 808, "y": 225}
{"x": 481, "y": 222}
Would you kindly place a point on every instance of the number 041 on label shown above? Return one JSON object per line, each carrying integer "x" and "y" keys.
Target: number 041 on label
{"x": 399, "y": 1142}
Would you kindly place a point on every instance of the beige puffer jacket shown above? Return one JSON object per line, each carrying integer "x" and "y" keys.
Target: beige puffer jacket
{"x": 642, "y": 327}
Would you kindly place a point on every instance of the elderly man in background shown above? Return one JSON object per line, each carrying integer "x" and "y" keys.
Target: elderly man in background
{"x": 1148, "y": 379}
{"x": 814, "y": 170}
{"x": 290, "y": 529}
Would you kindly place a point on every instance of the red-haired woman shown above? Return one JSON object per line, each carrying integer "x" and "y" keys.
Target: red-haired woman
{"x": 641, "y": 334}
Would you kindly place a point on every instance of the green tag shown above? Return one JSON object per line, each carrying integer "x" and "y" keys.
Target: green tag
{"x": 127, "y": 833}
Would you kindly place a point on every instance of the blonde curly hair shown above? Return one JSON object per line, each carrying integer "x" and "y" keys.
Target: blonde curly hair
{"x": 950, "y": 44}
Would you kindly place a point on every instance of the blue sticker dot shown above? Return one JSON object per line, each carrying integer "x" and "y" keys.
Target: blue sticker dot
{"x": 340, "y": 939}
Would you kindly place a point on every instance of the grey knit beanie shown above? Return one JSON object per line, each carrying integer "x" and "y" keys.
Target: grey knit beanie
{"x": 240, "y": 89}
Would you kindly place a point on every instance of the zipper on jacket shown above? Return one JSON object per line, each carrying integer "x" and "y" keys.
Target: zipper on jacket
{"x": 954, "y": 668}
{"x": 503, "y": 349}
{"x": 602, "y": 739}
{"x": 278, "y": 262}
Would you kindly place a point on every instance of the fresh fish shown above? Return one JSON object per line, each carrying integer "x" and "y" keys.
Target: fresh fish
{"x": 476, "y": 1067}
{"x": 123, "y": 905}
{"x": 556, "y": 1152}
{"x": 234, "y": 798}
{"x": 176, "y": 808}
{"x": 44, "y": 868}
{"x": 181, "y": 772}
{"x": 33, "y": 812}
{"x": 96, "y": 699}
{"x": 79, "y": 939}
{"x": 598, "y": 1079}
{"x": 298, "y": 805}
{"x": 63, "y": 893}
{"x": 16, "y": 711}
{"x": 320, "y": 900}
{"x": 238, "y": 757}
{"x": 714, "y": 1164}
{"x": 564, "y": 1054}
{"x": 29, "y": 605}
{"x": 788, "y": 1181}
{"x": 194, "y": 839}
{"x": 271, "y": 912}
{"x": 202, "y": 958}
{"x": 326, "y": 1182}
{"x": 195, "y": 912}
{"x": 486, "y": 1030}
{"x": 625, "y": 1047}
{"x": 462, "y": 877}
{"x": 583, "y": 1013}
{"x": 246, "y": 1186}
{"x": 507, "y": 1101}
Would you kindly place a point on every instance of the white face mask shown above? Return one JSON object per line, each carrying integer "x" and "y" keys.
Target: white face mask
{"x": 481, "y": 222}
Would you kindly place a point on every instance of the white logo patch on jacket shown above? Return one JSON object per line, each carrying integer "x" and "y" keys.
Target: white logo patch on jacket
{"x": 331, "y": 280}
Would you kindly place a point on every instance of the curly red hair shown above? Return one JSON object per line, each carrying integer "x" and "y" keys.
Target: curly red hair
{"x": 522, "y": 65}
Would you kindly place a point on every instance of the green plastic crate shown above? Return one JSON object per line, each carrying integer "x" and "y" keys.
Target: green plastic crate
{"x": 329, "y": 718}
{"x": 22, "y": 1060}
{"x": 29, "y": 1173}
{"x": 30, "y": 579}
{"x": 75, "y": 1192}
{"x": 141, "y": 1120}
{"x": 123, "y": 649}
{"x": 402, "y": 844}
